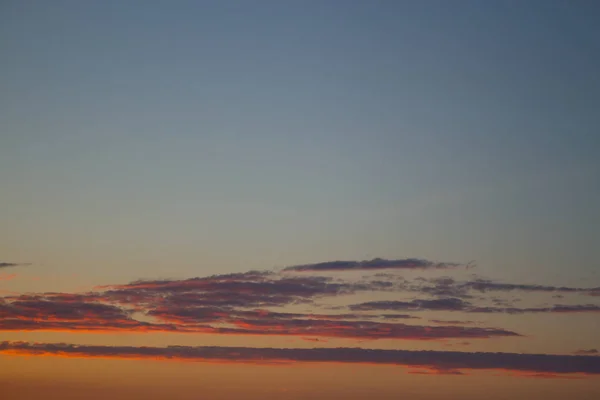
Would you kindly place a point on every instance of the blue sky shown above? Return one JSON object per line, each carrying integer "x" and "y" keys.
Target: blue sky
{"x": 159, "y": 139}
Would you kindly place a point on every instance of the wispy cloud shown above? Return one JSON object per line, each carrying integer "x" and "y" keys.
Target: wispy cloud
{"x": 254, "y": 303}
{"x": 456, "y": 304}
{"x": 361, "y": 330}
{"x": 434, "y": 361}
{"x": 452, "y": 322}
{"x": 482, "y": 285}
{"x": 449, "y": 287}
{"x": 237, "y": 290}
{"x": 35, "y": 313}
{"x": 28, "y": 313}
{"x": 9, "y": 264}
{"x": 374, "y": 264}
{"x": 7, "y": 277}
{"x": 588, "y": 352}
{"x": 448, "y": 304}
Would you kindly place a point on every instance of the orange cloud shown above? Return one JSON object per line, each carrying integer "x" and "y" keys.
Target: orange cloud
{"x": 7, "y": 277}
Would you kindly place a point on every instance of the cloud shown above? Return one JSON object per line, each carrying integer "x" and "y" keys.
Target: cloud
{"x": 558, "y": 308}
{"x": 8, "y": 264}
{"x": 398, "y": 316}
{"x": 456, "y": 304}
{"x": 252, "y": 289}
{"x": 435, "y": 372}
{"x": 447, "y": 304}
{"x": 7, "y": 277}
{"x": 251, "y": 303}
{"x": 64, "y": 313}
{"x": 83, "y": 326}
{"x": 435, "y": 361}
{"x": 359, "y": 330}
{"x": 587, "y": 352}
{"x": 374, "y": 264}
{"x": 216, "y": 314}
{"x": 464, "y": 343}
{"x": 449, "y": 287}
{"x": 452, "y": 322}
{"x": 309, "y": 339}
{"x": 32, "y": 313}
{"x": 482, "y": 285}
{"x": 440, "y": 287}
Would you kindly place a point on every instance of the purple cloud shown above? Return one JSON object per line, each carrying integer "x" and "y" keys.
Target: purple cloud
{"x": 251, "y": 303}
{"x": 434, "y": 361}
{"x": 449, "y": 287}
{"x": 456, "y": 304}
{"x": 374, "y": 264}
{"x": 63, "y": 313}
{"x": 236, "y": 290}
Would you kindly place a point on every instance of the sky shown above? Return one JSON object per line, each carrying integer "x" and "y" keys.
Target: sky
{"x": 316, "y": 199}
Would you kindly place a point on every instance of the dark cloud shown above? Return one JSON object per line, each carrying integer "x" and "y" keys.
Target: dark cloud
{"x": 226, "y": 315}
{"x": 447, "y": 304}
{"x": 325, "y": 329}
{"x": 435, "y": 361}
{"x": 309, "y": 339}
{"x": 374, "y": 264}
{"x": 439, "y": 287}
{"x": 587, "y": 352}
{"x": 482, "y": 285}
{"x": 457, "y": 344}
{"x": 558, "y": 308}
{"x": 8, "y": 264}
{"x": 236, "y": 290}
{"x": 398, "y": 316}
{"x": 359, "y": 330}
{"x": 55, "y": 310}
{"x": 64, "y": 313}
{"x": 449, "y": 287}
{"x": 497, "y": 301}
{"x": 251, "y": 303}
{"x": 188, "y": 311}
{"x": 31, "y": 313}
{"x": 82, "y": 326}
{"x": 456, "y": 304}
{"x": 452, "y": 322}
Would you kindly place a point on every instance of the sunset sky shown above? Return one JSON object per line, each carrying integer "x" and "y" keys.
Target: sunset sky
{"x": 299, "y": 199}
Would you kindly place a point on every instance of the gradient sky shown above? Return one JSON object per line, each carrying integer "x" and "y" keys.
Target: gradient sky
{"x": 177, "y": 139}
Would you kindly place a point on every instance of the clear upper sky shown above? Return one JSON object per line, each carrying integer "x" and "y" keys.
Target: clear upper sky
{"x": 173, "y": 139}
{"x": 177, "y": 136}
